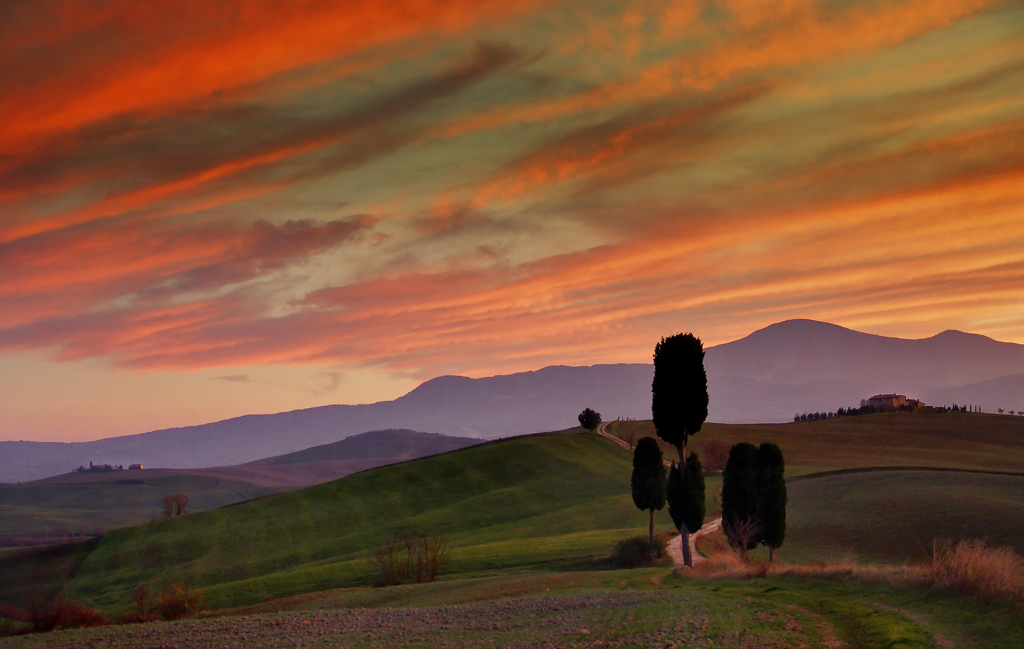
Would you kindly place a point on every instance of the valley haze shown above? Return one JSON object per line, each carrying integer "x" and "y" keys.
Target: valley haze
{"x": 787, "y": 368}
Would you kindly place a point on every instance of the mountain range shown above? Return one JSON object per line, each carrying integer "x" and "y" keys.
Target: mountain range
{"x": 787, "y": 368}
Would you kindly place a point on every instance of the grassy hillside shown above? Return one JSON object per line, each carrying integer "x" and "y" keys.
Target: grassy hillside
{"x": 83, "y": 502}
{"x": 892, "y": 516}
{"x": 955, "y": 440}
{"x": 534, "y": 501}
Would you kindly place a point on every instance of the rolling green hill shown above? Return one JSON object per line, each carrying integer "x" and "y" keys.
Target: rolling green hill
{"x": 82, "y": 502}
{"x": 531, "y": 501}
{"x": 892, "y": 516}
{"x": 89, "y": 501}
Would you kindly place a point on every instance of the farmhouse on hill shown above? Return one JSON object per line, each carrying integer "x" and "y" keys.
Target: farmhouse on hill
{"x": 890, "y": 402}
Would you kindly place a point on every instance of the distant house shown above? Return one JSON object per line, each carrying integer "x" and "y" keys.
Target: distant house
{"x": 890, "y": 402}
{"x": 134, "y": 467}
{"x": 100, "y": 467}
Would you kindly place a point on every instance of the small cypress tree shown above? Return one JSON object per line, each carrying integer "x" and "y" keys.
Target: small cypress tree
{"x": 648, "y": 481}
{"x": 739, "y": 497}
{"x": 771, "y": 502}
{"x": 686, "y": 494}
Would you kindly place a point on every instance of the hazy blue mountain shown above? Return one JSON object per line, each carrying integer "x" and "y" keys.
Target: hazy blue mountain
{"x": 1006, "y": 392}
{"x": 806, "y": 366}
{"x": 787, "y": 368}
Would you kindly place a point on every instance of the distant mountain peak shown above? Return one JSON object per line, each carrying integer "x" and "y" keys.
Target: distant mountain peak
{"x": 803, "y": 325}
{"x": 956, "y": 334}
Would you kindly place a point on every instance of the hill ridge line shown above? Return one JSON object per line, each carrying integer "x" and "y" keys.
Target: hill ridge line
{"x": 871, "y": 469}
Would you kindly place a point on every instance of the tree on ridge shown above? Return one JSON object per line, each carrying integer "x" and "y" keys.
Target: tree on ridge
{"x": 589, "y": 419}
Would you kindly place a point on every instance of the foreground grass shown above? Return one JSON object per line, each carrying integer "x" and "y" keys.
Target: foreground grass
{"x": 651, "y": 607}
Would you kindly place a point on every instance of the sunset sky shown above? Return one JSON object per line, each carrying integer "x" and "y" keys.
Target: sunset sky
{"x": 214, "y": 209}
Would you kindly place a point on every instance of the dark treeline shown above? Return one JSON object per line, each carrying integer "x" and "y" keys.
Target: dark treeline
{"x": 869, "y": 410}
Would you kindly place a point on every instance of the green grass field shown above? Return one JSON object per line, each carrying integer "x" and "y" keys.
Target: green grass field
{"x": 892, "y": 516}
{"x": 963, "y": 441}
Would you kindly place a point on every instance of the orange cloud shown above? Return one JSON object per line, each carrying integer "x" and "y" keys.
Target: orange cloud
{"x": 170, "y": 54}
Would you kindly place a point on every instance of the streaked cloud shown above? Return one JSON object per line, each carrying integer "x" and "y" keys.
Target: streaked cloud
{"x": 419, "y": 188}
{"x": 233, "y": 378}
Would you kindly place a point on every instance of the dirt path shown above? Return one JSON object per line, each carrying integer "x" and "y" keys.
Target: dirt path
{"x": 602, "y": 430}
{"x": 675, "y": 546}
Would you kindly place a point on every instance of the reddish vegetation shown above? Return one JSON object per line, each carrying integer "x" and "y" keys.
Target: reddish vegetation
{"x": 972, "y": 566}
{"x": 58, "y": 612}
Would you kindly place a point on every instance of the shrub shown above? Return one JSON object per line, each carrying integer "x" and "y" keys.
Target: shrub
{"x": 631, "y": 552}
{"x": 972, "y": 566}
{"x": 743, "y": 533}
{"x": 58, "y": 612}
{"x": 714, "y": 453}
{"x": 143, "y": 605}
{"x": 175, "y": 504}
{"x": 424, "y": 558}
{"x": 177, "y": 602}
{"x": 12, "y": 621}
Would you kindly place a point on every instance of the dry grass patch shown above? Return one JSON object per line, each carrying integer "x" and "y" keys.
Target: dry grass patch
{"x": 969, "y": 566}
{"x": 973, "y": 566}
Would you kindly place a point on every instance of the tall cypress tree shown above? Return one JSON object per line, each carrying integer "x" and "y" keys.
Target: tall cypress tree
{"x": 679, "y": 407}
{"x": 648, "y": 482}
{"x": 771, "y": 501}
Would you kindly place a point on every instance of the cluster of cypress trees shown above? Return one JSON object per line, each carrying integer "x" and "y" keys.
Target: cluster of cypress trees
{"x": 679, "y": 408}
{"x": 754, "y": 497}
{"x": 754, "y": 490}
{"x": 683, "y": 489}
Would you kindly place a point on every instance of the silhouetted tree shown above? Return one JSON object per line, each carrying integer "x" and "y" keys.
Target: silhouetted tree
{"x": 589, "y": 419}
{"x": 771, "y": 496}
{"x": 686, "y": 494}
{"x": 739, "y": 497}
{"x": 648, "y": 481}
{"x": 679, "y": 405}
